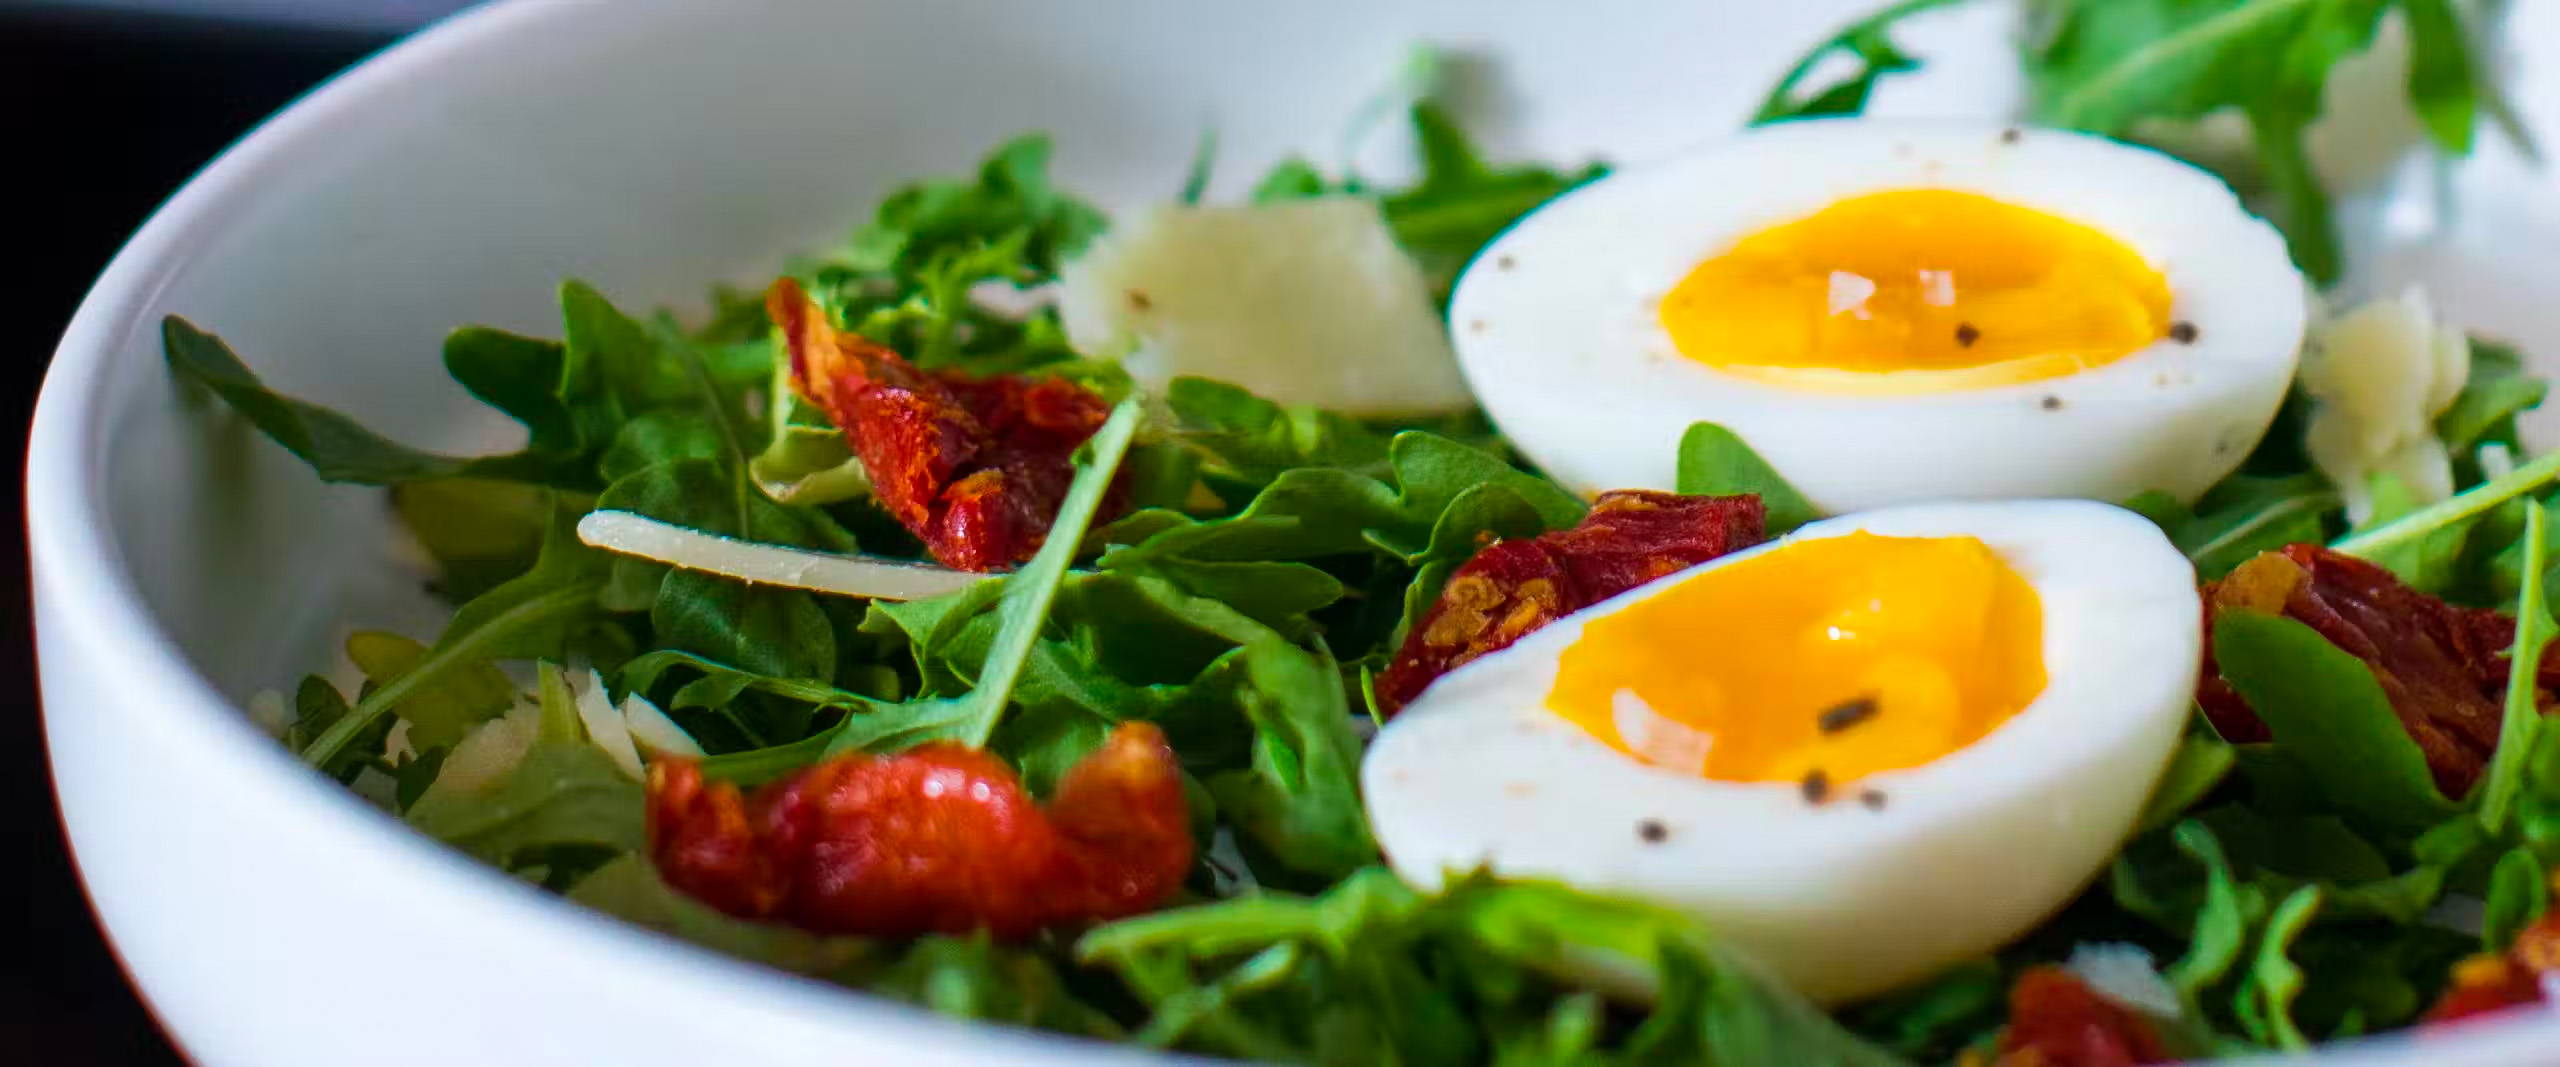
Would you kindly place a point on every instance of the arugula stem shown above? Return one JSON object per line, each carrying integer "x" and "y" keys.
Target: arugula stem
{"x": 2312, "y": 503}
{"x": 1777, "y": 102}
{"x": 2524, "y": 666}
{"x": 2460, "y": 506}
{"x": 1024, "y": 605}
{"x": 2141, "y": 63}
{"x": 438, "y": 660}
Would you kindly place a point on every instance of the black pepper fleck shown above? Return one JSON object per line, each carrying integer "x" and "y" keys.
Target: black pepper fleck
{"x": 2183, "y": 332}
{"x": 1504, "y": 263}
{"x": 1872, "y": 799}
{"x": 1966, "y": 334}
{"x": 1816, "y": 786}
{"x": 2012, "y": 135}
{"x": 2050, "y": 403}
{"x": 1139, "y": 300}
{"x": 1846, "y": 714}
{"x": 1653, "y": 832}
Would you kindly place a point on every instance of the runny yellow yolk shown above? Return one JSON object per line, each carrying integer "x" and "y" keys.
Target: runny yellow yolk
{"x": 1845, "y": 655}
{"x": 1918, "y": 290}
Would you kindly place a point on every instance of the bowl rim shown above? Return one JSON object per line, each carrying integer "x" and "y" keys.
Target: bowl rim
{"x": 93, "y": 601}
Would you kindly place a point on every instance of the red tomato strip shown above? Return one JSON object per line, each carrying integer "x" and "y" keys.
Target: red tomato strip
{"x": 938, "y": 839}
{"x": 2056, "y": 1020}
{"x": 2443, "y": 667}
{"x": 974, "y": 467}
{"x": 1511, "y": 588}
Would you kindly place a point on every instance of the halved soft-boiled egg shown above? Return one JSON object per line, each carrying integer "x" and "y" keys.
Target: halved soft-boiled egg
{"x": 1891, "y": 311}
{"x": 1876, "y": 747}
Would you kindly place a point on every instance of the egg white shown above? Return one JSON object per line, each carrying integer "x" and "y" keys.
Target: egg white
{"x": 1838, "y": 899}
{"x": 1558, "y": 331}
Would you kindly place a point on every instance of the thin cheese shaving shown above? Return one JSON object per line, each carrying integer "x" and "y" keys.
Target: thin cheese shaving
{"x": 765, "y": 564}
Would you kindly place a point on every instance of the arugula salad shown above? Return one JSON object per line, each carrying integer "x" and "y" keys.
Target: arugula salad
{"x": 1864, "y": 591}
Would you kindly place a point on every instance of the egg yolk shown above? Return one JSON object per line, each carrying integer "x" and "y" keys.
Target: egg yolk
{"x": 1819, "y": 661}
{"x": 1918, "y": 290}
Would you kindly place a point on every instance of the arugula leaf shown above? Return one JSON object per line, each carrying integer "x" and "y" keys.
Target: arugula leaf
{"x": 628, "y": 888}
{"x": 480, "y": 532}
{"x": 2242, "y": 516}
{"x": 1866, "y": 42}
{"x": 318, "y": 708}
{"x": 2222, "y": 922}
{"x": 2523, "y": 720}
{"x": 763, "y": 629}
{"x": 2519, "y": 895}
{"x": 2443, "y": 80}
{"x": 2264, "y": 1003}
{"x": 2430, "y": 562}
{"x": 2324, "y": 706}
{"x": 1715, "y": 461}
{"x": 1249, "y": 441}
{"x": 1461, "y": 203}
{"x": 2201, "y": 763}
{"x": 1300, "y": 800}
{"x": 719, "y": 683}
{"x": 1372, "y": 971}
{"x": 562, "y": 792}
{"x": 2105, "y": 66}
{"x": 1930, "y": 1021}
{"x": 974, "y": 978}
{"x": 337, "y": 447}
{"x": 1011, "y": 199}
{"x": 440, "y": 711}
{"x": 533, "y": 614}
{"x": 1458, "y": 205}
{"x": 2496, "y": 390}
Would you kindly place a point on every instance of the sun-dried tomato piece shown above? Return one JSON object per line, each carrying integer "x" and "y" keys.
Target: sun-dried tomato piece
{"x": 1511, "y": 588}
{"x": 938, "y": 839}
{"x": 975, "y": 467}
{"x": 2491, "y": 982}
{"x": 2443, "y": 667}
{"x": 2056, "y": 1020}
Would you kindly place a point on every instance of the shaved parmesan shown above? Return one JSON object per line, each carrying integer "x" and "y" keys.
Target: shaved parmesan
{"x": 1302, "y": 302}
{"x": 605, "y": 726}
{"x": 657, "y": 735}
{"x": 2378, "y": 376}
{"x": 764, "y": 564}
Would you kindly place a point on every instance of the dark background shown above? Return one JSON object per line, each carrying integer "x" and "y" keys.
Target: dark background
{"x": 103, "y": 115}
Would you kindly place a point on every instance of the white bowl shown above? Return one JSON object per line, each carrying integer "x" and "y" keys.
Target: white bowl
{"x": 182, "y": 563}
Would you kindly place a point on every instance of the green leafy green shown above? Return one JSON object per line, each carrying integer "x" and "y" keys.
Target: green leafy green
{"x": 975, "y": 978}
{"x": 2265, "y": 1001}
{"x": 2324, "y": 707}
{"x": 562, "y": 793}
{"x": 2124, "y": 68}
{"x": 2519, "y": 895}
{"x": 1300, "y": 799}
{"x": 2462, "y": 506}
{"x": 535, "y": 614}
{"x": 2496, "y": 390}
{"x": 1010, "y": 200}
{"x": 1715, "y": 461}
{"x": 2201, "y": 762}
{"x": 1865, "y": 41}
{"x": 1372, "y": 971}
{"x": 2523, "y": 720}
{"x": 438, "y": 711}
{"x": 337, "y": 447}
{"x": 2242, "y": 516}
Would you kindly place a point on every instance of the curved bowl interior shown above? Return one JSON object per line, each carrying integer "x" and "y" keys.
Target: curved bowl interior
{"x": 649, "y": 146}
